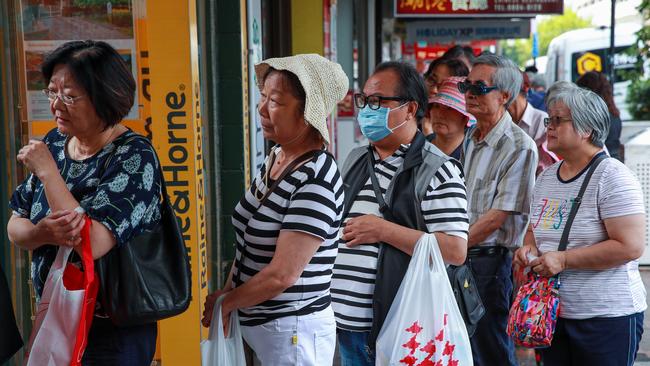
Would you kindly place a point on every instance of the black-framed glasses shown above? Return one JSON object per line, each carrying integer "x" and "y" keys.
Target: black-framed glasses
{"x": 373, "y": 101}
{"x": 66, "y": 99}
{"x": 555, "y": 121}
{"x": 475, "y": 89}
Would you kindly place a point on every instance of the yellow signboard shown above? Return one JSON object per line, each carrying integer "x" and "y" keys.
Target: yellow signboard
{"x": 177, "y": 136}
{"x": 589, "y": 62}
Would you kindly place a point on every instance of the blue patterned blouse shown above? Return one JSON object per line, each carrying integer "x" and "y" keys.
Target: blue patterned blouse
{"x": 124, "y": 195}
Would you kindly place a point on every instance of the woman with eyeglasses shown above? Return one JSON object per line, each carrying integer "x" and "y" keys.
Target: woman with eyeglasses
{"x": 439, "y": 70}
{"x": 92, "y": 165}
{"x": 449, "y": 118}
{"x": 602, "y": 297}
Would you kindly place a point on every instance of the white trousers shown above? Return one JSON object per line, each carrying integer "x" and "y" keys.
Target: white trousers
{"x": 306, "y": 340}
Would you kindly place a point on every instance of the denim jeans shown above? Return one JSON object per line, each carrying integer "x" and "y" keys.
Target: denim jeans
{"x": 353, "y": 348}
{"x": 491, "y": 345}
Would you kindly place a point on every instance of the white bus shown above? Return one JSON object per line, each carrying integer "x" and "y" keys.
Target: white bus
{"x": 573, "y": 53}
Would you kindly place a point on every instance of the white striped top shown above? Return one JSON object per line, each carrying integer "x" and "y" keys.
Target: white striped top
{"x": 445, "y": 210}
{"x": 310, "y": 200}
{"x": 613, "y": 191}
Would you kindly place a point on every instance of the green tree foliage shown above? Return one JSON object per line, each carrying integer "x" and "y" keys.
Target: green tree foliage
{"x": 556, "y": 25}
{"x": 518, "y": 50}
{"x": 638, "y": 93}
{"x": 547, "y": 29}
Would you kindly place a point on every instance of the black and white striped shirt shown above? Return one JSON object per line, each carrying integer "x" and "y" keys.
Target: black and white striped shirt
{"x": 444, "y": 209}
{"x": 309, "y": 200}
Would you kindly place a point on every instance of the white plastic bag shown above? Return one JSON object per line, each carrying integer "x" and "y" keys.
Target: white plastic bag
{"x": 65, "y": 312}
{"x": 424, "y": 325}
{"x": 218, "y": 350}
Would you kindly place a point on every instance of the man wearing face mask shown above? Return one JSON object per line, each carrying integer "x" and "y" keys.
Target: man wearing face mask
{"x": 397, "y": 188}
{"x": 499, "y": 162}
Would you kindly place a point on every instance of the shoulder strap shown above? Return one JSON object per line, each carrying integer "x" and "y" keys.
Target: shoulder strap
{"x": 136, "y": 136}
{"x": 564, "y": 241}
{"x": 433, "y": 159}
{"x": 290, "y": 168}
{"x": 353, "y": 157}
{"x": 375, "y": 183}
{"x": 423, "y": 174}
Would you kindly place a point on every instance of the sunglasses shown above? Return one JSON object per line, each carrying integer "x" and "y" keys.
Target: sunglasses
{"x": 475, "y": 89}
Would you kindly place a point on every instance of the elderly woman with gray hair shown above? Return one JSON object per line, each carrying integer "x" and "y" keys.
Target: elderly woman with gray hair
{"x": 602, "y": 296}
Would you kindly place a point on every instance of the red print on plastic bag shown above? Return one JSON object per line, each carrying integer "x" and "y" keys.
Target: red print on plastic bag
{"x": 449, "y": 349}
{"x": 409, "y": 360}
{"x": 440, "y": 335}
{"x": 415, "y": 328}
{"x": 429, "y": 348}
{"x": 412, "y": 344}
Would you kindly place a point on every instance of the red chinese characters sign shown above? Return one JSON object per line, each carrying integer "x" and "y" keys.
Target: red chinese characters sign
{"x": 463, "y": 8}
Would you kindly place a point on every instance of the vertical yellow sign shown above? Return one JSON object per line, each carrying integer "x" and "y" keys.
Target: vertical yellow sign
{"x": 176, "y": 130}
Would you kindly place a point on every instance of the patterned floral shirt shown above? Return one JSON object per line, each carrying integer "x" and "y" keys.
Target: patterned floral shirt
{"x": 119, "y": 187}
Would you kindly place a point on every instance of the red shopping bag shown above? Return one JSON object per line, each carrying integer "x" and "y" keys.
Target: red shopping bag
{"x": 66, "y": 309}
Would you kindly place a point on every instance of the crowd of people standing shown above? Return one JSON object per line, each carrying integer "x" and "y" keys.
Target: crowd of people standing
{"x": 321, "y": 245}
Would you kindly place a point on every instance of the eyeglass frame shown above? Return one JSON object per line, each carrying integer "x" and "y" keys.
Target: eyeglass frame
{"x": 52, "y": 96}
{"x": 380, "y": 99}
{"x": 477, "y": 89}
{"x": 558, "y": 120}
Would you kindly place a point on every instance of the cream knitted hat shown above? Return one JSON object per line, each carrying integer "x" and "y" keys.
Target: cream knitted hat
{"x": 324, "y": 82}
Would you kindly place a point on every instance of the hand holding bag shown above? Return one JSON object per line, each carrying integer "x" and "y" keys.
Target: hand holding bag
{"x": 461, "y": 278}
{"x": 424, "y": 325}
{"x": 219, "y": 350}
{"x": 534, "y": 313}
{"x": 66, "y": 309}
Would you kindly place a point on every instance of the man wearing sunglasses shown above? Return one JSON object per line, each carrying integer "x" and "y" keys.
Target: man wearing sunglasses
{"x": 385, "y": 213}
{"x": 499, "y": 161}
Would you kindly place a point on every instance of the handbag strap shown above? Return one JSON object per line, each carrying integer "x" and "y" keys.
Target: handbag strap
{"x": 290, "y": 168}
{"x": 375, "y": 183}
{"x": 564, "y": 241}
{"x": 163, "y": 185}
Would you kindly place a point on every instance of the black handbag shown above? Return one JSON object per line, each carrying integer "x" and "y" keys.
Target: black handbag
{"x": 149, "y": 278}
{"x": 467, "y": 296}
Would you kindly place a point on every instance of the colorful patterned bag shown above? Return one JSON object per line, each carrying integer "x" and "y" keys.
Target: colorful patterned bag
{"x": 534, "y": 313}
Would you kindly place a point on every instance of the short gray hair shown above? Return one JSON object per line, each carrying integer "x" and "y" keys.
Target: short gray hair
{"x": 588, "y": 110}
{"x": 507, "y": 76}
{"x": 557, "y": 87}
